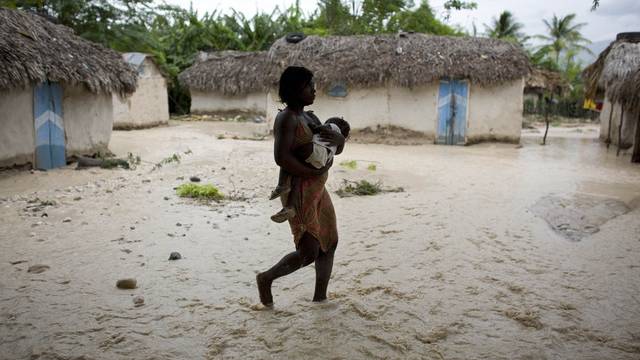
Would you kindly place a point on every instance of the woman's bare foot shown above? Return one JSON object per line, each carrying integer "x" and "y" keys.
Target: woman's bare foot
{"x": 264, "y": 289}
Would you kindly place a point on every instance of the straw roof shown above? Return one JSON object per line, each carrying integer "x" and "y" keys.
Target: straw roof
{"x": 406, "y": 60}
{"x": 228, "y": 72}
{"x": 614, "y": 71}
{"x": 542, "y": 79}
{"x": 33, "y": 50}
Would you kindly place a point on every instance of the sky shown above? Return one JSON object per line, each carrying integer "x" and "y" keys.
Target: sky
{"x": 612, "y": 17}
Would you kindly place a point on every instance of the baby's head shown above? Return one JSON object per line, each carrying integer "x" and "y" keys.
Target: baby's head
{"x": 341, "y": 123}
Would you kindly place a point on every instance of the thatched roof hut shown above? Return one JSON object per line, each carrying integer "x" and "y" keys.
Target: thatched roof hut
{"x": 406, "y": 60}
{"x": 416, "y": 81}
{"x": 227, "y": 72}
{"x": 55, "y": 91}
{"x": 617, "y": 72}
{"x": 148, "y": 106}
{"x": 33, "y": 50}
{"x": 613, "y": 69}
{"x": 540, "y": 80}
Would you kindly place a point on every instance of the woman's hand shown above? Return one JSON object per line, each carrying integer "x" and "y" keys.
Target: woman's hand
{"x": 332, "y": 137}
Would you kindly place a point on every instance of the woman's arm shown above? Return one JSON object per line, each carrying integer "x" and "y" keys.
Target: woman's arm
{"x": 284, "y": 130}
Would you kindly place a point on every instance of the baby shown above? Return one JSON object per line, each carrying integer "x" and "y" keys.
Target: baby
{"x": 317, "y": 153}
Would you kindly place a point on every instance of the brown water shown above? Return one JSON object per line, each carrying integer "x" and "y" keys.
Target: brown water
{"x": 456, "y": 267}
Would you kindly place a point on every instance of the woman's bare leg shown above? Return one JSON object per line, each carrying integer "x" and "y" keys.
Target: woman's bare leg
{"x": 324, "y": 266}
{"x": 307, "y": 252}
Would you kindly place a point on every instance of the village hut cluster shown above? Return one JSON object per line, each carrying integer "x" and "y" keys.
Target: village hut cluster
{"x": 615, "y": 76}
{"x": 55, "y": 91}
{"x": 455, "y": 90}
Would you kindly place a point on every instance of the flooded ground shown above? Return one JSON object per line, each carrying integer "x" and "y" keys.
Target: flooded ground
{"x": 459, "y": 266}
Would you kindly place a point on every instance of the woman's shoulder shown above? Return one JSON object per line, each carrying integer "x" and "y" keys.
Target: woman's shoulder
{"x": 285, "y": 118}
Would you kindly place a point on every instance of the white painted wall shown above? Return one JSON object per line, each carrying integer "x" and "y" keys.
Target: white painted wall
{"x": 148, "y": 106}
{"x": 628, "y": 123}
{"x": 210, "y": 102}
{"x": 495, "y": 113}
{"x": 415, "y": 109}
{"x": 88, "y": 119}
{"x": 17, "y": 137}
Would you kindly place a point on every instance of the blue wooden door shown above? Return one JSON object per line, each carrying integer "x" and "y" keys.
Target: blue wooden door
{"x": 452, "y": 112}
{"x": 47, "y": 113}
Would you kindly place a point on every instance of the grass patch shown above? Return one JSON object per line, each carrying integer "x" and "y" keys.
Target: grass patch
{"x": 201, "y": 192}
{"x": 372, "y": 167}
{"x": 363, "y": 188}
{"x": 349, "y": 164}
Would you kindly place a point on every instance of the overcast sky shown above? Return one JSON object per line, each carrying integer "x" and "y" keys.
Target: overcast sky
{"x": 612, "y": 17}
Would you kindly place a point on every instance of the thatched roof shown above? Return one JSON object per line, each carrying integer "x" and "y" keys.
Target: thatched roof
{"x": 406, "y": 60}
{"x": 614, "y": 71}
{"x": 228, "y": 72}
{"x": 542, "y": 79}
{"x": 33, "y": 50}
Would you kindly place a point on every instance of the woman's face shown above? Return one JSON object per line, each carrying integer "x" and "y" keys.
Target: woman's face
{"x": 308, "y": 94}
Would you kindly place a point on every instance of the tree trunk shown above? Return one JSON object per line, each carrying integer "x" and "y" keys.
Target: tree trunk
{"x": 635, "y": 158}
{"x": 620, "y": 128}
{"x": 608, "y": 140}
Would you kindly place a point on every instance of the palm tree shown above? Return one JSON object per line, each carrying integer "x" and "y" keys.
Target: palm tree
{"x": 563, "y": 36}
{"x": 506, "y": 27}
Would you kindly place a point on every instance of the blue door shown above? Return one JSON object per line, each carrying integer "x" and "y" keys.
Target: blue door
{"x": 47, "y": 112}
{"x": 452, "y": 112}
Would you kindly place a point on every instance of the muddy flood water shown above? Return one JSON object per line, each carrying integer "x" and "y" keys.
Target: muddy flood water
{"x": 493, "y": 251}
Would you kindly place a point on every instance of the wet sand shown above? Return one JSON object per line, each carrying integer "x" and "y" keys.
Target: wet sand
{"x": 458, "y": 266}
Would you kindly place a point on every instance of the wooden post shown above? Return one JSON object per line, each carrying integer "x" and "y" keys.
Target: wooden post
{"x": 546, "y": 118}
{"x": 608, "y": 140}
{"x": 635, "y": 158}
{"x": 620, "y": 128}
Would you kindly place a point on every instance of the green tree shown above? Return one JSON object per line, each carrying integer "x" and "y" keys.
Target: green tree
{"x": 563, "y": 35}
{"x": 423, "y": 20}
{"x": 333, "y": 17}
{"x": 506, "y": 27}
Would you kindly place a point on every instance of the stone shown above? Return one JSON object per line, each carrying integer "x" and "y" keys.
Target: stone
{"x": 138, "y": 301}
{"x": 194, "y": 179}
{"x": 66, "y": 220}
{"x": 127, "y": 283}
{"x": 175, "y": 256}
{"x": 37, "y": 269}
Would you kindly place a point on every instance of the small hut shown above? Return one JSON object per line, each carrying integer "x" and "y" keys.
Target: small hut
{"x": 55, "y": 91}
{"x": 542, "y": 81}
{"x": 148, "y": 106}
{"x": 615, "y": 76}
{"x": 227, "y": 83}
{"x": 457, "y": 90}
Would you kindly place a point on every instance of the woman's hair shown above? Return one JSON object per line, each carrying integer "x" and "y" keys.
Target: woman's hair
{"x": 292, "y": 82}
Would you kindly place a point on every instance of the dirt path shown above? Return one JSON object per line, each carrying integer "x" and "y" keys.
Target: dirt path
{"x": 457, "y": 267}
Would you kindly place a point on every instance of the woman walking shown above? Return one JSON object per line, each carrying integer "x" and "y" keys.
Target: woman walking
{"x": 314, "y": 226}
